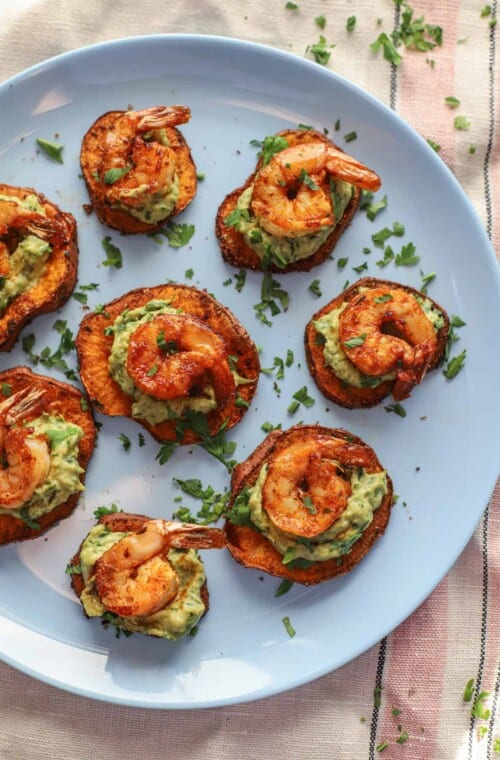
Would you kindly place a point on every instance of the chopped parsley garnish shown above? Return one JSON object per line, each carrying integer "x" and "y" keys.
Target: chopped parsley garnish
{"x": 268, "y": 426}
{"x": 371, "y": 207}
{"x": 381, "y": 236}
{"x": 315, "y": 289}
{"x": 454, "y": 365}
{"x": 341, "y": 263}
{"x": 188, "y": 274}
{"x": 236, "y": 216}
{"x": 307, "y": 180}
{"x": 485, "y": 11}
{"x": 84, "y": 404}
{"x": 308, "y": 504}
{"x": 291, "y": 6}
{"x": 109, "y": 618}
{"x": 320, "y": 21}
{"x": 390, "y": 53}
{"x": 101, "y": 511}
{"x": 289, "y": 627}
{"x": 125, "y": 441}
{"x": 200, "y": 176}
{"x": 461, "y": 122}
{"x": 320, "y": 51}
{"x": 152, "y": 370}
{"x": 361, "y": 267}
{"x": 241, "y": 402}
{"x": 469, "y": 690}
{"x": 355, "y": 342}
{"x": 350, "y": 136}
{"x": 178, "y": 235}
{"x": 383, "y": 298}
{"x": 403, "y": 737}
{"x": 52, "y": 149}
{"x": 337, "y": 125}
{"x": 165, "y": 451}
{"x": 271, "y": 292}
{"x": 426, "y": 280}
{"x": 478, "y": 708}
{"x": 381, "y": 746}
{"x": 407, "y": 256}
{"x": 434, "y": 145}
{"x": 167, "y": 346}
{"x": 395, "y": 711}
{"x": 300, "y": 397}
{"x": 452, "y": 101}
{"x": 113, "y": 175}
{"x": 81, "y": 295}
{"x": 351, "y": 23}
{"x": 239, "y": 514}
{"x": 269, "y": 146}
{"x": 397, "y": 409}
{"x": 472, "y": 149}
{"x": 73, "y": 569}
{"x": 214, "y": 444}
{"x": 213, "y": 504}
{"x": 113, "y": 254}
{"x": 27, "y": 520}
{"x": 6, "y": 389}
{"x": 377, "y": 696}
{"x": 415, "y": 33}
{"x": 284, "y": 587}
{"x": 56, "y": 358}
{"x": 388, "y": 257}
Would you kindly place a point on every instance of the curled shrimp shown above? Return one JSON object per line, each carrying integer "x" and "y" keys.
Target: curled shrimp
{"x": 26, "y": 456}
{"x": 384, "y": 331}
{"x": 17, "y": 222}
{"x": 148, "y": 166}
{"x": 134, "y": 576}
{"x": 305, "y": 491}
{"x": 291, "y": 194}
{"x": 173, "y": 354}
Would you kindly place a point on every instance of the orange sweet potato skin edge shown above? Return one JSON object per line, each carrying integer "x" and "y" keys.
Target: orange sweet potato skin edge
{"x": 60, "y": 398}
{"x": 327, "y": 382}
{"x": 232, "y": 244}
{"x": 94, "y": 347}
{"x": 56, "y": 283}
{"x": 121, "y": 522}
{"x": 116, "y": 218}
{"x": 251, "y": 549}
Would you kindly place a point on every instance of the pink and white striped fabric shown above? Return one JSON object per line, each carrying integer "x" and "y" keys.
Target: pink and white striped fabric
{"x": 412, "y": 682}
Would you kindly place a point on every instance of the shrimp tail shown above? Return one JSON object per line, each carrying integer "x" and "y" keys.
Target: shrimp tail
{"x": 197, "y": 537}
{"x": 20, "y": 404}
{"x": 157, "y": 117}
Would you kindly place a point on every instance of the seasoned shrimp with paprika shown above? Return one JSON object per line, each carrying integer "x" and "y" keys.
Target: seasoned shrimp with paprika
{"x": 138, "y": 167}
{"x": 26, "y": 456}
{"x": 291, "y": 194}
{"x": 386, "y": 330}
{"x": 135, "y": 578}
{"x": 175, "y": 353}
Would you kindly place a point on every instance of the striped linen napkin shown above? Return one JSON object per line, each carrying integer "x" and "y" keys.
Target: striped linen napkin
{"x": 404, "y": 698}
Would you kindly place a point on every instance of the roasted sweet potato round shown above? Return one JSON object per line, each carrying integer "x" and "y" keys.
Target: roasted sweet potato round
{"x": 94, "y": 345}
{"x": 58, "y": 399}
{"x": 130, "y": 160}
{"x": 46, "y": 288}
{"x": 350, "y": 396}
{"x": 232, "y": 243}
{"x": 251, "y": 548}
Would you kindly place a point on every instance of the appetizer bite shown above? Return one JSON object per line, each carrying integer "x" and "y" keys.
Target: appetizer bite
{"x": 47, "y": 436}
{"x": 375, "y": 338}
{"x": 290, "y": 213}
{"x": 138, "y": 167}
{"x": 165, "y": 355}
{"x": 38, "y": 259}
{"x": 308, "y": 504}
{"x": 143, "y": 575}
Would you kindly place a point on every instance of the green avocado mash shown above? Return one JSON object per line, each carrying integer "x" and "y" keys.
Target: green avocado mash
{"x": 173, "y": 621}
{"x": 63, "y": 479}
{"x": 368, "y": 491}
{"x": 335, "y": 358}
{"x": 286, "y": 250}
{"x": 27, "y": 261}
{"x": 156, "y": 206}
{"x": 145, "y": 406}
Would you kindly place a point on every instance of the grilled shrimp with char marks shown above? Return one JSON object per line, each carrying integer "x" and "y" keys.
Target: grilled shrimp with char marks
{"x": 386, "y": 330}
{"x": 173, "y": 354}
{"x": 134, "y": 576}
{"x": 305, "y": 490}
{"x": 26, "y": 456}
{"x": 149, "y": 166}
{"x": 291, "y": 194}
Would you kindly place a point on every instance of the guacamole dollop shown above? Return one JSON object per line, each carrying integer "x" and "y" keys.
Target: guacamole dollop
{"x": 176, "y": 619}
{"x": 368, "y": 491}
{"x": 27, "y": 261}
{"x": 286, "y": 250}
{"x": 336, "y": 359}
{"x": 63, "y": 479}
{"x": 145, "y": 406}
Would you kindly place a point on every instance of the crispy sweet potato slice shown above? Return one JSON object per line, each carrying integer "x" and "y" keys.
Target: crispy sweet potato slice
{"x": 121, "y": 522}
{"x": 329, "y": 384}
{"x": 57, "y": 282}
{"x": 94, "y": 347}
{"x": 232, "y": 243}
{"x": 58, "y": 399}
{"x": 252, "y": 549}
{"x": 93, "y": 173}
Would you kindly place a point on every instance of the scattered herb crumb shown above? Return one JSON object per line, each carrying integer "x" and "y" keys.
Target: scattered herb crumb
{"x": 397, "y": 409}
{"x": 289, "y": 627}
{"x": 113, "y": 254}
{"x": 52, "y": 149}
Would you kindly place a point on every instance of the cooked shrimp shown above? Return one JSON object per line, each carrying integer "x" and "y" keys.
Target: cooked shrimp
{"x": 134, "y": 576}
{"x": 26, "y": 456}
{"x": 390, "y": 333}
{"x": 172, "y": 355}
{"x": 305, "y": 491}
{"x": 291, "y": 194}
{"x": 17, "y": 223}
{"x": 148, "y": 166}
